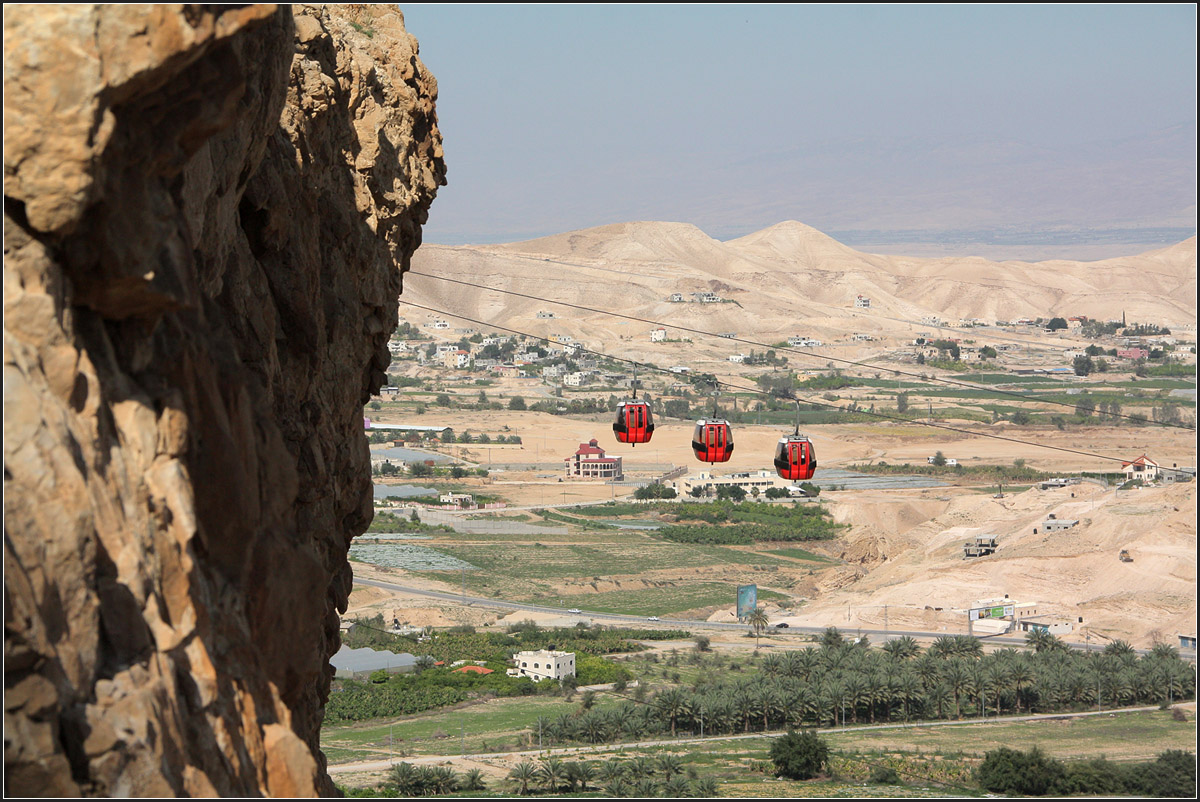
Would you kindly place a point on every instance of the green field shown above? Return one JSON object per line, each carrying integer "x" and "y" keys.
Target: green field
{"x": 801, "y": 554}
{"x": 662, "y": 601}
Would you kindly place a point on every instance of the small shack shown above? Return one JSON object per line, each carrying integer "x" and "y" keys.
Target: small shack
{"x": 1056, "y": 524}
{"x": 980, "y": 546}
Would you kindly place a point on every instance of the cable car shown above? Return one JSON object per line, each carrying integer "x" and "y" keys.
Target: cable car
{"x": 712, "y": 440}
{"x": 795, "y": 457}
{"x": 634, "y": 422}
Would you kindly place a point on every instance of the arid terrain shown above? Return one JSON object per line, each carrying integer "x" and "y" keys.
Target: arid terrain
{"x": 904, "y": 547}
{"x": 784, "y": 280}
{"x": 899, "y": 561}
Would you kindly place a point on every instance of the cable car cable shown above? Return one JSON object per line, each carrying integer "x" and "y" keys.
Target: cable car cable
{"x": 792, "y": 350}
{"x": 757, "y": 391}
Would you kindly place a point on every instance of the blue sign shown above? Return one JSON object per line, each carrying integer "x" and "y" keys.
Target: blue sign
{"x": 747, "y": 600}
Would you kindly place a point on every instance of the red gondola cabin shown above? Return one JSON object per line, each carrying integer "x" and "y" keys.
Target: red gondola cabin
{"x": 634, "y": 422}
{"x": 713, "y": 440}
{"x": 795, "y": 457}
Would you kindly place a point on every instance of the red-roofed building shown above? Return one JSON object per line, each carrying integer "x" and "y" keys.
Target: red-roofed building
{"x": 472, "y": 670}
{"x": 1142, "y": 468}
{"x": 589, "y": 462}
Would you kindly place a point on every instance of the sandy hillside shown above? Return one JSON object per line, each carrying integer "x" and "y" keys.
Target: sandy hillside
{"x": 911, "y": 551}
{"x": 904, "y": 547}
{"x": 789, "y": 278}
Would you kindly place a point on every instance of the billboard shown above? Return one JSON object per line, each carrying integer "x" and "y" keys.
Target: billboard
{"x": 747, "y": 600}
{"x": 1001, "y": 611}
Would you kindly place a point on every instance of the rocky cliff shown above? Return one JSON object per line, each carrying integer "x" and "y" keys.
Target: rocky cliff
{"x": 207, "y": 213}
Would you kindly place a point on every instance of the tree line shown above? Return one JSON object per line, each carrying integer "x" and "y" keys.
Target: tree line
{"x": 844, "y": 682}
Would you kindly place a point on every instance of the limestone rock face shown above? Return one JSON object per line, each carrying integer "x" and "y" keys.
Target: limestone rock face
{"x": 207, "y": 213}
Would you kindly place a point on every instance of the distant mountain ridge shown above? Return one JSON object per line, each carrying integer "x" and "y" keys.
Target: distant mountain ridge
{"x": 791, "y": 276}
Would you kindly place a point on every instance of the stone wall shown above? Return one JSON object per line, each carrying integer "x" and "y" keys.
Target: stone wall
{"x": 207, "y": 212}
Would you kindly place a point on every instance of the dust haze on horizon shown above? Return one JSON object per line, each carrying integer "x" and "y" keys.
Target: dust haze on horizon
{"x": 1028, "y": 132}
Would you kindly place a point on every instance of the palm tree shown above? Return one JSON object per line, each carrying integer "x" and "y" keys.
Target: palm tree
{"x": 580, "y": 773}
{"x": 670, "y": 765}
{"x": 672, "y": 703}
{"x": 1019, "y": 677}
{"x": 551, "y": 772}
{"x": 405, "y": 777}
{"x": 472, "y": 780}
{"x": 757, "y": 619}
{"x": 611, "y": 770}
{"x": 958, "y": 678}
{"x": 640, "y": 768}
{"x": 1042, "y": 641}
{"x": 942, "y": 647}
{"x": 617, "y": 788}
{"x": 760, "y": 698}
{"x": 705, "y": 788}
{"x": 855, "y": 693}
{"x": 991, "y": 680}
{"x": 523, "y": 772}
{"x": 938, "y": 696}
{"x": 445, "y": 781}
{"x": 902, "y": 648}
{"x": 676, "y": 788}
{"x": 646, "y": 788}
{"x": 1121, "y": 651}
{"x": 1164, "y": 651}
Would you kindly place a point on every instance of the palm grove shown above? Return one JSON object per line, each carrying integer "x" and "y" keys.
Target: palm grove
{"x": 844, "y": 682}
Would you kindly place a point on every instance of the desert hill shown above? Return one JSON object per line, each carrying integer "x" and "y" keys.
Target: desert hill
{"x": 911, "y": 556}
{"x": 788, "y": 278}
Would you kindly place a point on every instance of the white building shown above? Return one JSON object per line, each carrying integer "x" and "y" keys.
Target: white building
{"x": 675, "y": 298}
{"x": 748, "y": 481}
{"x": 658, "y": 335}
{"x": 1142, "y": 468}
{"x": 543, "y": 664}
{"x": 738, "y": 358}
{"x": 1055, "y": 524}
{"x": 862, "y": 302}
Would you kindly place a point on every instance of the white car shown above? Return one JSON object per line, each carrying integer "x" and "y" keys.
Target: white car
{"x": 652, "y": 618}
{"x": 574, "y": 610}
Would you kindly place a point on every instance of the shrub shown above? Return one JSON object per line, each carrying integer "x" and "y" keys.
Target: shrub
{"x": 884, "y": 775}
{"x": 799, "y": 755}
{"x": 1010, "y": 771}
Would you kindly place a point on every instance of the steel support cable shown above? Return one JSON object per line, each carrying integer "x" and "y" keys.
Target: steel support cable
{"x": 790, "y": 350}
{"x": 788, "y": 396}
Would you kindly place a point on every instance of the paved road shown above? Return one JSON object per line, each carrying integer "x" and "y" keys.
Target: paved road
{"x": 383, "y": 765}
{"x": 671, "y": 623}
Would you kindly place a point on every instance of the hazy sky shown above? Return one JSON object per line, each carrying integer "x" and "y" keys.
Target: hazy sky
{"x": 563, "y": 117}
